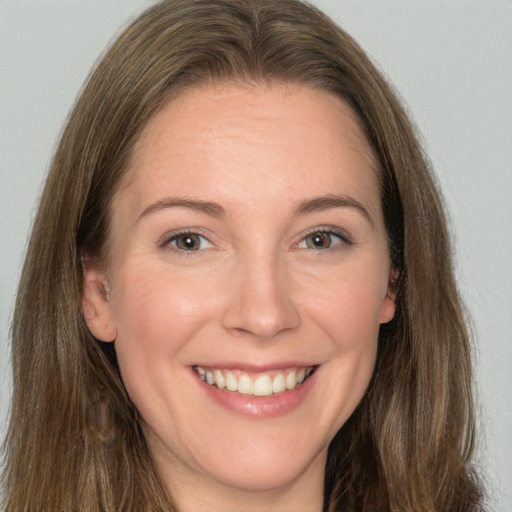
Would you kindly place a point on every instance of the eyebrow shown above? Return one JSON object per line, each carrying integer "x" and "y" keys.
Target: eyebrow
{"x": 206, "y": 207}
{"x": 327, "y": 202}
{"x": 213, "y": 209}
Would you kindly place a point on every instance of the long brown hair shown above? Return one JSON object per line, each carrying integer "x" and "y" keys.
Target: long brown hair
{"x": 74, "y": 441}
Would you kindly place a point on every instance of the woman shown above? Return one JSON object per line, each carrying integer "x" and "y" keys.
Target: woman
{"x": 248, "y": 294}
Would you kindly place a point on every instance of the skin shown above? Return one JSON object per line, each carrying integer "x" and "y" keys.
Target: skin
{"x": 255, "y": 289}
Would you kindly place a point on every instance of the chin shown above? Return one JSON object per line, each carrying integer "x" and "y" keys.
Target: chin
{"x": 267, "y": 472}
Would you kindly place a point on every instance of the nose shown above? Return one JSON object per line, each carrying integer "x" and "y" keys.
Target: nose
{"x": 261, "y": 301}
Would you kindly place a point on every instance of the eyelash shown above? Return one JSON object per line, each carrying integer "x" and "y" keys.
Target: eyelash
{"x": 170, "y": 240}
{"x": 330, "y": 232}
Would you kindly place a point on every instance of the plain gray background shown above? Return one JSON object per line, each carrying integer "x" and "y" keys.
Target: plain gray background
{"x": 450, "y": 61}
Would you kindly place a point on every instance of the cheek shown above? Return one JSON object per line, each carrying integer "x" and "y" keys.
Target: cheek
{"x": 156, "y": 314}
{"x": 349, "y": 306}
{"x": 347, "y": 310}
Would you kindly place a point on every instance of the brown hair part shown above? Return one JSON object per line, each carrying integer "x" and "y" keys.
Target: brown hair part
{"x": 74, "y": 440}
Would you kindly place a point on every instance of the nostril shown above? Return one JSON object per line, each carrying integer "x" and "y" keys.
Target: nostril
{"x": 260, "y": 327}
{"x": 261, "y": 302}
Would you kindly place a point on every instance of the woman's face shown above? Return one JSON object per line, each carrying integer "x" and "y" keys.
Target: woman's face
{"x": 248, "y": 249}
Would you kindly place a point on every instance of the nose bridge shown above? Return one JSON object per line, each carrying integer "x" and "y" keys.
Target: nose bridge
{"x": 261, "y": 301}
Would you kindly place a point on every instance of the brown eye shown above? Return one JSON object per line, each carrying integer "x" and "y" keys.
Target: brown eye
{"x": 319, "y": 240}
{"x": 189, "y": 242}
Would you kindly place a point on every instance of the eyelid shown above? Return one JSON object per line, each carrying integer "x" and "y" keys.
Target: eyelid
{"x": 165, "y": 240}
{"x": 329, "y": 230}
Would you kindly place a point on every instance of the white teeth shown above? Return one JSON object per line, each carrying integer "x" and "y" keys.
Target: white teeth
{"x": 291, "y": 380}
{"x": 219, "y": 379}
{"x": 262, "y": 385}
{"x": 245, "y": 385}
{"x": 231, "y": 382}
{"x": 279, "y": 384}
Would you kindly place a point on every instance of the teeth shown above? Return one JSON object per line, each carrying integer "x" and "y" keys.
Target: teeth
{"x": 262, "y": 385}
{"x": 231, "y": 382}
{"x": 219, "y": 379}
{"x": 279, "y": 384}
{"x": 291, "y": 380}
{"x": 245, "y": 385}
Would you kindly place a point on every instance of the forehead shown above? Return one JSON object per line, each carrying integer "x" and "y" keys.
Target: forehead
{"x": 275, "y": 133}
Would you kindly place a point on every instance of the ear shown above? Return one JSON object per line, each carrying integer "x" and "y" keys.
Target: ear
{"x": 388, "y": 306}
{"x": 96, "y": 302}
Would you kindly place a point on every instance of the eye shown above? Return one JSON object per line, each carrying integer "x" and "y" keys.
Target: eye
{"x": 189, "y": 242}
{"x": 320, "y": 240}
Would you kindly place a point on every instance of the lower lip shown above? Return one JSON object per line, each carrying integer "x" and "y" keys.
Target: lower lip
{"x": 259, "y": 406}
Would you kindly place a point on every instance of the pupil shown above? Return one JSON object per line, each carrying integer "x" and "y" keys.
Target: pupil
{"x": 321, "y": 240}
{"x": 189, "y": 242}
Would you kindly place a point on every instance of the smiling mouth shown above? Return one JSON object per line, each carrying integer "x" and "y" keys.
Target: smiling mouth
{"x": 259, "y": 384}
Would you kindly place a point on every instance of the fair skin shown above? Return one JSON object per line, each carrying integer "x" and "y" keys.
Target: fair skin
{"x": 247, "y": 243}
